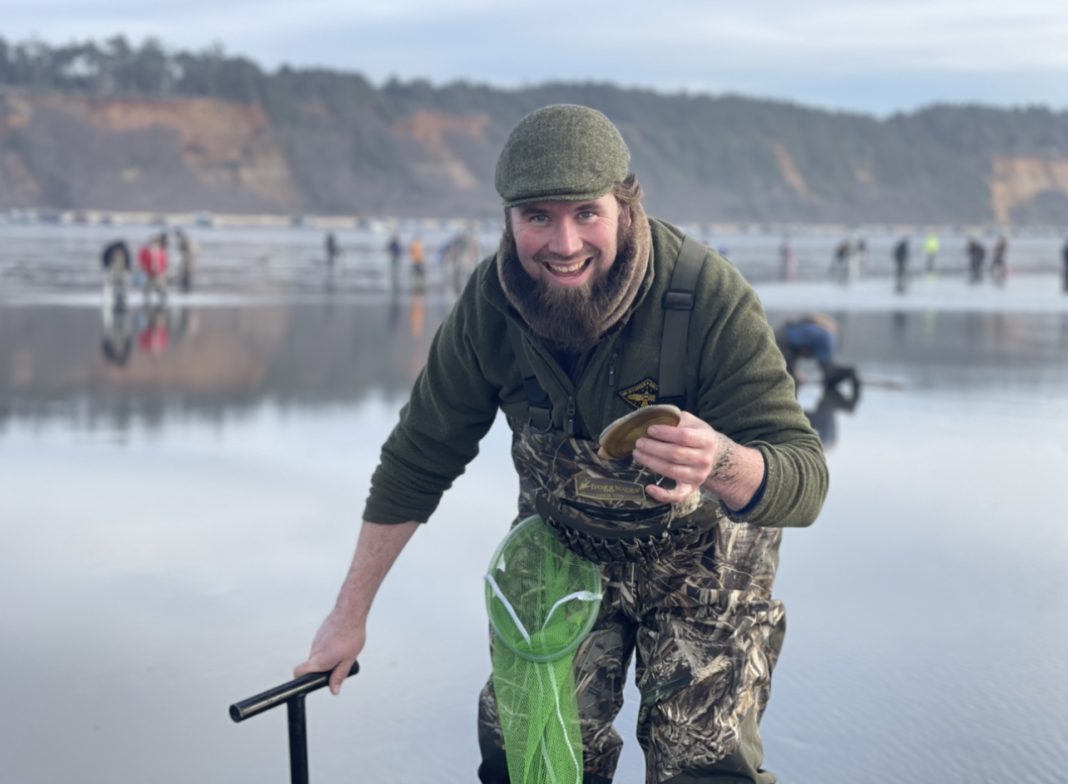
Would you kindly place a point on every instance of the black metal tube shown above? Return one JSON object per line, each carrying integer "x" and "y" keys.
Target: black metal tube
{"x": 298, "y": 687}
{"x": 298, "y": 741}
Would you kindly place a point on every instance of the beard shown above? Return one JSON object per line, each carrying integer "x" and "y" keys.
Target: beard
{"x": 576, "y": 318}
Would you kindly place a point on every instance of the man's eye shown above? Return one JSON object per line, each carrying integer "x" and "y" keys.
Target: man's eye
{"x": 539, "y": 219}
{"x": 587, "y": 215}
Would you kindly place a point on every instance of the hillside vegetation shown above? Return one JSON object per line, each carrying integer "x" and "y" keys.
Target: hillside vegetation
{"x": 119, "y": 126}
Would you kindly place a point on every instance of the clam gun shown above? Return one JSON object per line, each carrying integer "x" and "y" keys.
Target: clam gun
{"x": 291, "y": 694}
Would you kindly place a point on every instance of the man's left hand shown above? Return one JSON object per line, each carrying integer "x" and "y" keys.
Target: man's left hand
{"x": 688, "y": 453}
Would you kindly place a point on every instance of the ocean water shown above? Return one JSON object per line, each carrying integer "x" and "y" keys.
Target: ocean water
{"x": 182, "y": 489}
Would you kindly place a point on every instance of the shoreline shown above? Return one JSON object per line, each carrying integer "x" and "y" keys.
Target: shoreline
{"x": 205, "y": 219}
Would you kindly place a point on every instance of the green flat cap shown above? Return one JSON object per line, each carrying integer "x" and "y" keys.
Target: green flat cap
{"x": 561, "y": 152}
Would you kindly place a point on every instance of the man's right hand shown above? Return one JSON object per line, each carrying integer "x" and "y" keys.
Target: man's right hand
{"x": 344, "y": 632}
{"x": 336, "y": 646}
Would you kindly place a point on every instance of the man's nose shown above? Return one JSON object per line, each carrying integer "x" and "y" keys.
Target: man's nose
{"x": 565, "y": 240}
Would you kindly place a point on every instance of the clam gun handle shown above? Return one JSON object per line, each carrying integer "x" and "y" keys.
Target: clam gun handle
{"x": 279, "y": 695}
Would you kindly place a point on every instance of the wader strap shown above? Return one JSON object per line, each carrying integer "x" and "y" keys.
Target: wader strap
{"x": 540, "y": 405}
{"x": 678, "y": 304}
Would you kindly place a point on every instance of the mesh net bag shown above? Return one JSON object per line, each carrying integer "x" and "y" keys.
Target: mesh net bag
{"x": 542, "y": 601}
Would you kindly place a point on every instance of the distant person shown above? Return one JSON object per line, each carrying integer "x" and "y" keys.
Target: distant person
{"x": 395, "y": 251}
{"x": 187, "y": 256}
{"x": 448, "y": 252}
{"x": 117, "y": 263}
{"x": 901, "y": 265}
{"x": 976, "y": 253}
{"x": 332, "y": 248}
{"x": 470, "y": 252}
{"x": 813, "y": 336}
{"x": 999, "y": 263}
{"x": 1064, "y": 262}
{"x": 418, "y": 258}
{"x": 153, "y": 262}
{"x": 840, "y": 261}
{"x": 787, "y": 259}
{"x": 931, "y": 246}
{"x": 859, "y": 258}
{"x": 458, "y": 258}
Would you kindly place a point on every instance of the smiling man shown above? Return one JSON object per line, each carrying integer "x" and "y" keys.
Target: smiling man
{"x": 567, "y": 281}
{"x": 589, "y": 311}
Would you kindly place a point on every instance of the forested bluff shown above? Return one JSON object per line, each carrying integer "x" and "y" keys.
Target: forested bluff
{"x": 121, "y": 126}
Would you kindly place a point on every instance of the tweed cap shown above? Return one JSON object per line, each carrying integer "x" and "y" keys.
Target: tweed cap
{"x": 561, "y": 152}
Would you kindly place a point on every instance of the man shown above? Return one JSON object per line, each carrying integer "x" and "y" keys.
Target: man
{"x": 332, "y": 248}
{"x": 976, "y": 256}
{"x": 787, "y": 259}
{"x": 901, "y": 265}
{"x": 418, "y": 257}
{"x": 1064, "y": 261}
{"x": 395, "y": 249}
{"x": 563, "y": 329}
{"x": 840, "y": 270}
{"x": 999, "y": 263}
{"x": 813, "y": 336}
{"x": 153, "y": 262}
{"x": 187, "y": 258}
{"x": 115, "y": 259}
{"x": 931, "y": 246}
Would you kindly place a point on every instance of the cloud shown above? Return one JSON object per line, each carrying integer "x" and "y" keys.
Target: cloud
{"x": 825, "y": 51}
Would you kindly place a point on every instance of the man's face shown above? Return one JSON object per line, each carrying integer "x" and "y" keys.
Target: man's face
{"x": 567, "y": 244}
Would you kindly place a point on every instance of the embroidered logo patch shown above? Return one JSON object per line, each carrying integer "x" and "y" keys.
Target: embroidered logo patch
{"x": 604, "y": 489}
{"x": 641, "y": 394}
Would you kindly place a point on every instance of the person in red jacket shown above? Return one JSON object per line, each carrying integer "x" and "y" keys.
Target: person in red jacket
{"x": 153, "y": 262}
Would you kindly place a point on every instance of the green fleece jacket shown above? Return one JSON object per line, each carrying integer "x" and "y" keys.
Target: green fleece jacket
{"x": 736, "y": 380}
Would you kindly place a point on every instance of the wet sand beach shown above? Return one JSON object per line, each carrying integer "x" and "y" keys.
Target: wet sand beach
{"x": 182, "y": 490}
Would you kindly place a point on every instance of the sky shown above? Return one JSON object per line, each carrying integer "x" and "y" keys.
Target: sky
{"x": 873, "y": 56}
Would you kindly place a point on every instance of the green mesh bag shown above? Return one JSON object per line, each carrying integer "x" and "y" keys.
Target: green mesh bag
{"x": 542, "y": 601}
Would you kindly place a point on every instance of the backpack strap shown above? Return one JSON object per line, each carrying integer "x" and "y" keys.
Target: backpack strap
{"x": 678, "y": 304}
{"x": 539, "y": 403}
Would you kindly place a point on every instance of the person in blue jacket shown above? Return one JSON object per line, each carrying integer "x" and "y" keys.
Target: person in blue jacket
{"x": 813, "y": 336}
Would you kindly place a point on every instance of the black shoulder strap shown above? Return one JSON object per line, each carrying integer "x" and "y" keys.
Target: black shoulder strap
{"x": 541, "y": 406}
{"x": 678, "y": 304}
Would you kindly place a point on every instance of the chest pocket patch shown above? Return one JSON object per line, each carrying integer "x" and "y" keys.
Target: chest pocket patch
{"x": 642, "y": 394}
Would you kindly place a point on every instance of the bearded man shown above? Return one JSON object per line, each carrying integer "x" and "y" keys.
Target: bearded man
{"x": 588, "y": 311}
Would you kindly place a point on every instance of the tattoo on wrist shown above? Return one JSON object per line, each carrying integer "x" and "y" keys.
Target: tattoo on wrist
{"x": 723, "y": 470}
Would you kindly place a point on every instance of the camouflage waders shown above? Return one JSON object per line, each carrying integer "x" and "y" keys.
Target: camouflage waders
{"x": 694, "y": 607}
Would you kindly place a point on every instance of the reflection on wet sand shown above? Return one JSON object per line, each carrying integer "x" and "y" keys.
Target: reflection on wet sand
{"x": 831, "y": 402}
{"x": 117, "y": 341}
{"x": 208, "y": 361}
{"x": 194, "y": 556}
{"x": 153, "y": 328}
{"x": 85, "y": 365}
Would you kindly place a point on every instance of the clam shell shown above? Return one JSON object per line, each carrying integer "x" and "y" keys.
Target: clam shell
{"x": 618, "y": 439}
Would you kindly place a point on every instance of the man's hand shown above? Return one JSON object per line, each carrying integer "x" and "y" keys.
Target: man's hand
{"x": 344, "y": 632}
{"x": 336, "y": 646}
{"x": 693, "y": 453}
{"x": 686, "y": 453}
